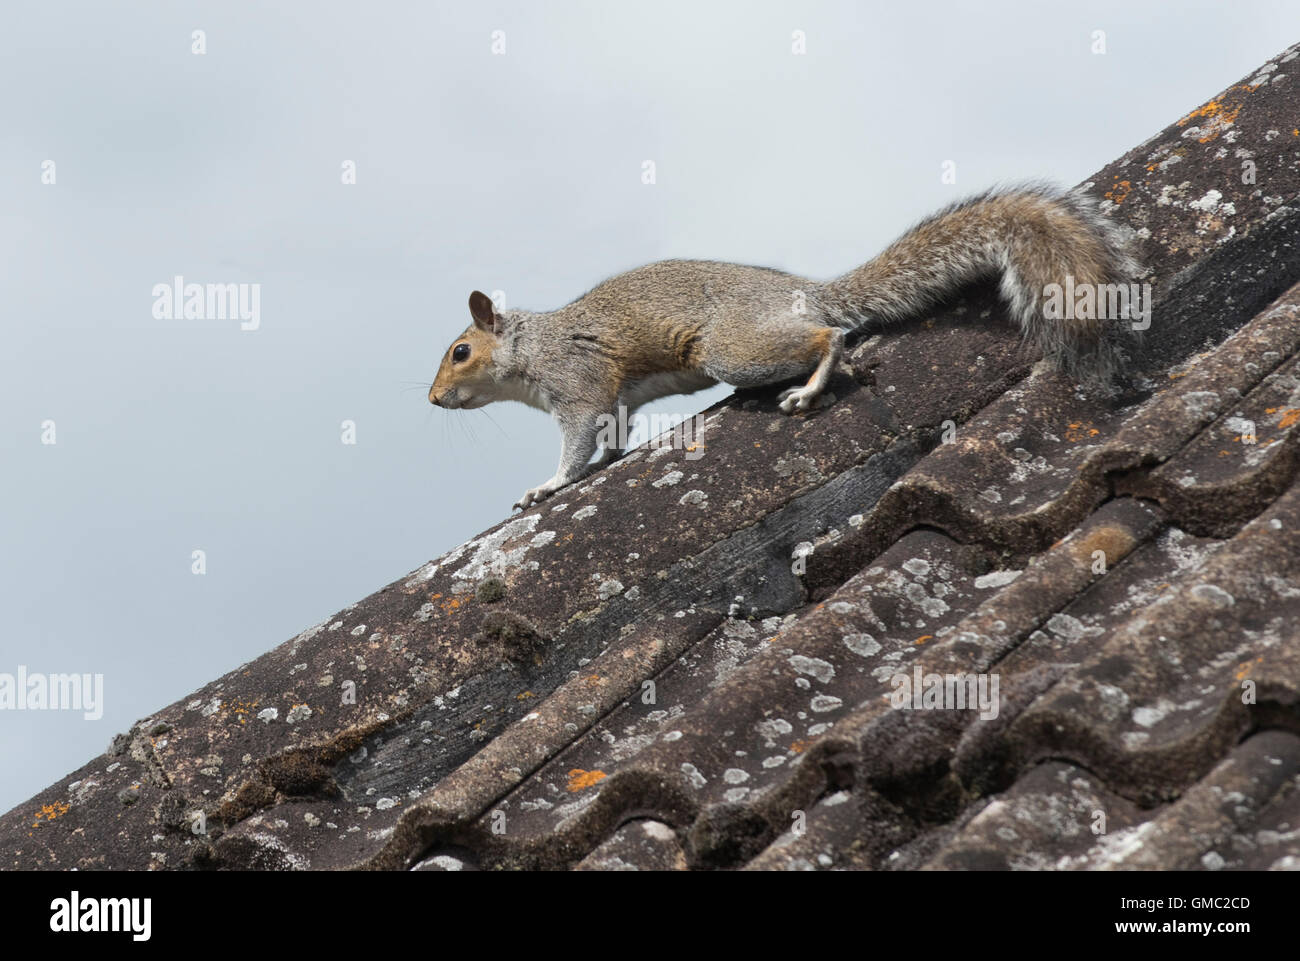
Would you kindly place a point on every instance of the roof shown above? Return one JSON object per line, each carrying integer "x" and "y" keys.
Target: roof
{"x": 633, "y": 675}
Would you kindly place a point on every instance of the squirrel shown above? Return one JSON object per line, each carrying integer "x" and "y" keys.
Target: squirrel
{"x": 679, "y": 326}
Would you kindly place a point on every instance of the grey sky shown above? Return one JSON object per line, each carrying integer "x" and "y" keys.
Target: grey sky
{"x": 519, "y": 172}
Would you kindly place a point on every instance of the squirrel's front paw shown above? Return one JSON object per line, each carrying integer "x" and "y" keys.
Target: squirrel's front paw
{"x": 796, "y": 398}
{"x": 536, "y": 495}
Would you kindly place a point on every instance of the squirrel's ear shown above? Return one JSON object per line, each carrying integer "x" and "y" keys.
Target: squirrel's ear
{"x": 485, "y": 318}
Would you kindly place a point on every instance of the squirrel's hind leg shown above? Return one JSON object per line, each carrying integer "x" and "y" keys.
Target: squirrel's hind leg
{"x": 775, "y": 352}
{"x": 769, "y": 352}
{"x": 801, "y": 398}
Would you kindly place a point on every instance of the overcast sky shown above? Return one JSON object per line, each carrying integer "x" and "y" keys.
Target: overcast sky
{"x": 518, "y": 172}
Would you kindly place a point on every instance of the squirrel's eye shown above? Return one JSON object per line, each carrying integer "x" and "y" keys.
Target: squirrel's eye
{"x": 460, "y": 353}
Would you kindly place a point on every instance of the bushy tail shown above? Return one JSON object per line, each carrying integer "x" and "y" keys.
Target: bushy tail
{"x": 1033, "y": 236}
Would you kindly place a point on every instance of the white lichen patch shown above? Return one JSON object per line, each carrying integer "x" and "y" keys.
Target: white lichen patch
{"x": 693, "y": 775}
{"x": 814, "y": 667}
{"x": 609, "y": 588}
{"x": 487, "y": 553}
{"x": 1208, "y": 203}
{"x": 1201, "y": 403}
{"x": 1214, "y": 594}
{"x": 1070, "y": 628}
{"x": 799, "y": 464}
{"x": 773, "y": 729}
{"x": 658, "y": 831}
{"x": 864, "y": 645}
{"x": 1150, "y": 716}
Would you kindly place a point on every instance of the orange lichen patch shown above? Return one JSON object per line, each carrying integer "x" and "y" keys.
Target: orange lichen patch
{"x": 923, "y": 638}
{"x": 239, "y": 708}
{"x": 1119, "y": 191}
{"x": 800, "y": 746}
{"x": 1219, "y": 114}
{"x": 49, "y": 812}
{"x": 692, "y": 448}
{"x": 449, "y": 605}
{"x": 1210, "y": 108}
{"x": 524, "y": 696}
{"x": 1289, "y": 418}
{"x": 580, "y": 779}
{"x": 1080, "y": 431}
{"x": 1244, "y": 668}
{"x": 1176, "y": 376}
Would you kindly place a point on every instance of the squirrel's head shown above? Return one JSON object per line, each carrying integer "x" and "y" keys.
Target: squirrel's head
{"x": 465, "y": 377}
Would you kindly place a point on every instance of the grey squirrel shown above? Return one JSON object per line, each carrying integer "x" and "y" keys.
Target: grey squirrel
{"x": 678, "y": 326}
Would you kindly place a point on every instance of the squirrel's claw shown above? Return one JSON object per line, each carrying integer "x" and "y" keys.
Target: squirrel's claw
{"x": 796, "y": 398}
{"x": 536, "y": 495}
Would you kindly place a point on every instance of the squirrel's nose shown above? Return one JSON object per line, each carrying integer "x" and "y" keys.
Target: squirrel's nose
{"x": 433, "y": 398}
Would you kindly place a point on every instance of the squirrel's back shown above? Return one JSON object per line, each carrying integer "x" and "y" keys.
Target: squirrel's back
{"x": 653, "y": 318}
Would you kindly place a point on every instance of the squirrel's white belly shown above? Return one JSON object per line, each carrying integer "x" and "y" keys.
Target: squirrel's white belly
{"x": 665, "y": 384}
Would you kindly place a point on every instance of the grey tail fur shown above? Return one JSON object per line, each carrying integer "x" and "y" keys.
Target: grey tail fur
{"x": 1031, "y": 236}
